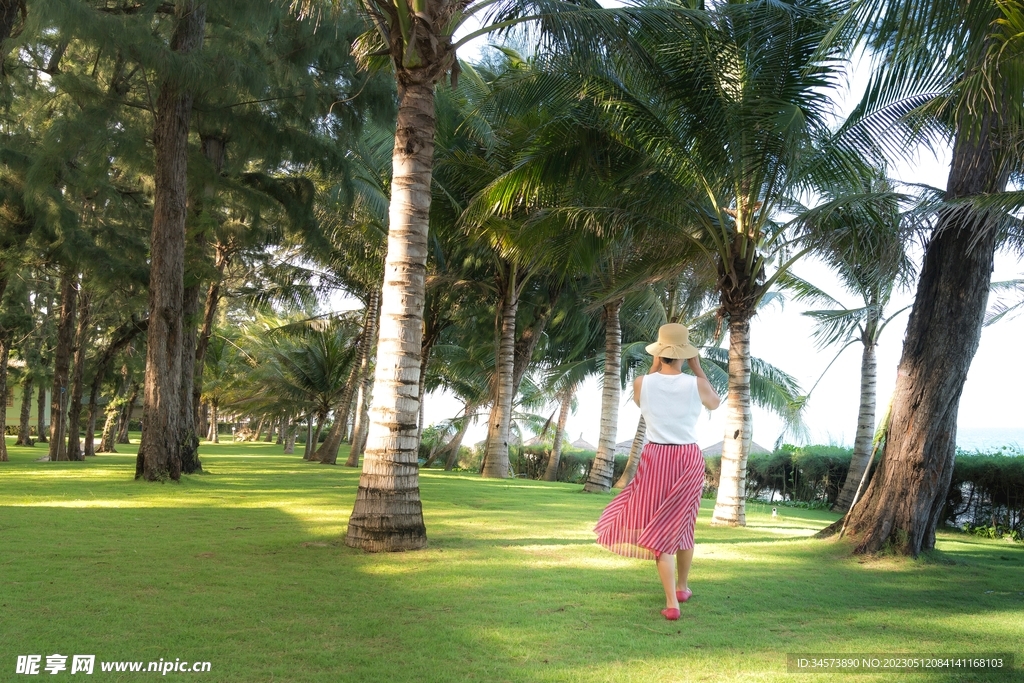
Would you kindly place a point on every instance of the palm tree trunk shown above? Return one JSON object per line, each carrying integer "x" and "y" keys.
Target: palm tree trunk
{"x": 289, "y": 431}
{"x": 309, "y": 437}
{"x": 902, "y": 504}
{"x": 271, "y": 425}
{"x": 214, "y": 423}
{"x": 603, "y": 470}
{"x": 634, "y": 455}
{"x": 363, "y": 397}
{"x": 388, "y": 514}
{"x": 865, "y": 429}
{"x": 41, "y": 414}
{"x": 75, "y": 451}
{"x": 496, "y": 458}
{"x": 24, "y": 427}
{"x": 730, "y": 507}
{"x": 62, "y": 364}
{"x": 159, "y": 456}
{"x": 327, "y": 453}
{"x": 565, "y": 405}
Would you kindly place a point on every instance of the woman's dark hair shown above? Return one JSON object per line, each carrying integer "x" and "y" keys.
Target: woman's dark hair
{"x": 668, "y": 360}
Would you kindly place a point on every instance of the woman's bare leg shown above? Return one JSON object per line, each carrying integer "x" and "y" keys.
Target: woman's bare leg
{"x": 683, "y": 560}
{"x": 667, "y": 573}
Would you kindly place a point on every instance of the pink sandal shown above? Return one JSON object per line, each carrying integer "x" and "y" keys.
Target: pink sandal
{"x": 671, "y": 613}
{"x": 685, "y": 595}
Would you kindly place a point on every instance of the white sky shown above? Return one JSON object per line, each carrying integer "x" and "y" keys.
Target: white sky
{"x": 991, "y": 396}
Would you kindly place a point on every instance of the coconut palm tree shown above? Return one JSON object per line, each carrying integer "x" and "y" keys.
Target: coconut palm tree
{"x": 962, "y": 63}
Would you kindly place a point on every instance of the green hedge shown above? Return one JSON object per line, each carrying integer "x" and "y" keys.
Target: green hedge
{"x": 987, "y": 491}
{"x": 574, "y": 466}
{"x": 809, "y": 474}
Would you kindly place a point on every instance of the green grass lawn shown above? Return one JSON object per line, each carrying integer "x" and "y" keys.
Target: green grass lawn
{"x": 244, "y": 567}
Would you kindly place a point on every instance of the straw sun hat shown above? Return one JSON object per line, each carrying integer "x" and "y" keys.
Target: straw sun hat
{"x": 673, "y": 342}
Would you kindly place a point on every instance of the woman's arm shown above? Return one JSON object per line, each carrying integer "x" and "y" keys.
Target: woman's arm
{"x": 638, "y": 382}
{"x": 708, "y": 396}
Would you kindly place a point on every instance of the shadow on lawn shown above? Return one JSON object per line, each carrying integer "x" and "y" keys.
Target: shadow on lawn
{"x": 509, "y": 589}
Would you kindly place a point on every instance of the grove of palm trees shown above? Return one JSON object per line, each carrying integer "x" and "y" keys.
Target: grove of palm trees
{"x": 288, "y": 287}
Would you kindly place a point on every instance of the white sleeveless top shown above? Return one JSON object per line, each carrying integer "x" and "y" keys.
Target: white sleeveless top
{"x": 670, "y": 405}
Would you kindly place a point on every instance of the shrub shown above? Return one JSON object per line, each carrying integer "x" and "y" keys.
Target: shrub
{"x": 987, "y": 491}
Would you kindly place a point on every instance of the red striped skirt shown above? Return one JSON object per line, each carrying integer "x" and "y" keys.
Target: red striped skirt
{"x": 657, "y": 511}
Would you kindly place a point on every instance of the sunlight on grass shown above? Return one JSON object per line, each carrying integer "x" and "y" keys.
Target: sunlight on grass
{"x": 246, "y": 567}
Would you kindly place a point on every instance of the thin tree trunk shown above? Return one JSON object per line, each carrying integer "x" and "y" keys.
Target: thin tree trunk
{"x": 865, "y": 430}
{"x": 565, "y": 405}
{"x": 75, "y": 451}
{"x": 126, "y": 414}
{"x": 41, "y": 426}
{"x": 214, "y": 424}
{"x": 634, "y": 455}
{"x": 5, "y": 350}
{"x": 289, "y": 440}
{"x": 388, "y": 515}
{"x": 901, "y": 506}
{"x": 327, "y": 453}
{"x": 365, "y": 379}
{"x": 24, "y": 428}
{"x": 188, "y": 446}
{"x": 496, "y": 458}
{"x": 282, "y": 427}
{"x": 62, "y": 365}
{"x": 159, "y": 456}
{"x": 107, "y": 438}
{"x": 221, "y": 261}
{"x": 315, "y": 440}
{"x": 122, "y": 337}
{"x": 730, "y": 507}
{"x": 204, "y": 419}
{"x": 309, "y": 437}
{"x": 272, "y": 424}
{"x": 603, "y": 470}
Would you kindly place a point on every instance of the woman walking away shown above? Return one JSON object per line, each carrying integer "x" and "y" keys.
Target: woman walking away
{"x": 654, "y": 516}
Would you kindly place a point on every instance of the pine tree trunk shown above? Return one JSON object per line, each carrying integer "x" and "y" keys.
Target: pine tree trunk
{"x": 496, "y": 458}
{"x": 634, "y": 455}
{"x": 603, "y": 470}
{"x": 730, "y": 507}
{"x": 107, "y": 438}
{"x": 25, "y": 428}
{"x": 901, "y": 506}
{"x": 188, "y": 446}
{"x": 365, "y": 383}
{"x": 5, "y": 350}
{"x": 388, "y": 515}
{"x": 41, "y": 426}
{"x": 62, "y": 364}
{"x": 865, "y": 429}
{"x": 125, "y": 419}
{"x": 565, "y": 405}
{"x": 122, "y": 337}
{"x": 221, "y": 261}
{"x": 75, "y": 451}
{"x": 159, "y": 457}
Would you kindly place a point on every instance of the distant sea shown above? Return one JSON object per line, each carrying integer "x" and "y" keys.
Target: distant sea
{"x": 990, "y": 439}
